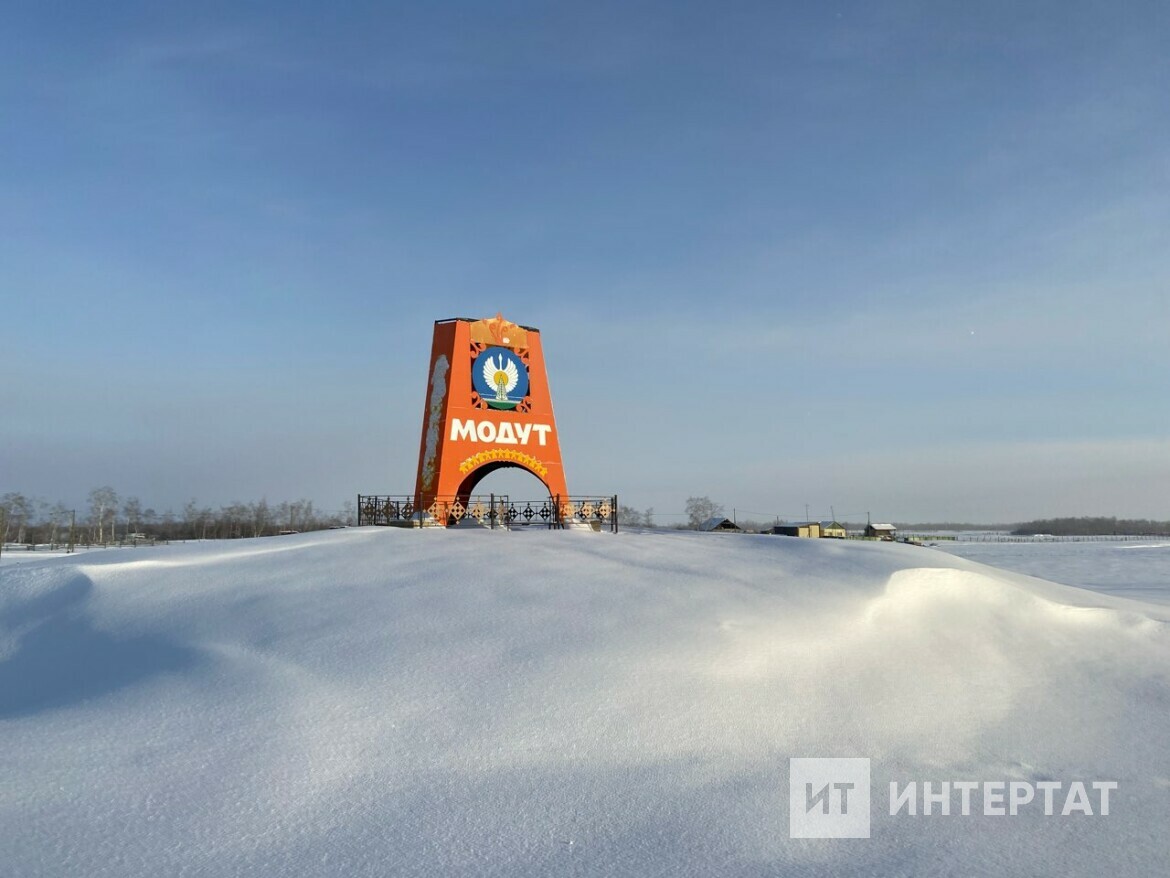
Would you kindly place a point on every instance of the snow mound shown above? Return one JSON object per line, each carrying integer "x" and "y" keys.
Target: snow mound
{"x": 377, "y": 702}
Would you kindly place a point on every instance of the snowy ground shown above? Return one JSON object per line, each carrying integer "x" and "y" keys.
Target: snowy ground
{"x": 17, "y": 554}
{"x": 385, "y": 702}
{"x": 1138, "y": 569}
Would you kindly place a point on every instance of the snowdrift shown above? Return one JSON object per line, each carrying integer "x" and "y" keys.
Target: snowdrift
{"x": 386, "y": 702}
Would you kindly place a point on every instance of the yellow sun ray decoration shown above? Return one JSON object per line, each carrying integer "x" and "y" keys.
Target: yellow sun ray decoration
{"x": 504, "y": 454}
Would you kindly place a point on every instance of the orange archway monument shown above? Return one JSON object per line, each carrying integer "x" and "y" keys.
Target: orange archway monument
{"x": 488, "y": 406}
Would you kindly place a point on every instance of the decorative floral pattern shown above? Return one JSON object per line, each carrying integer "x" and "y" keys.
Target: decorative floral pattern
{"x": 497, "y": 330}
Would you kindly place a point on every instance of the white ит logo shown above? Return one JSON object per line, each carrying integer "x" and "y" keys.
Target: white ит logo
{"x": 828, "y": 798}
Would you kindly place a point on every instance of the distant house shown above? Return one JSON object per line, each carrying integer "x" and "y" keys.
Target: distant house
{"x": 833, "y": 530}
{"x": 718, "y": 523}
{"x": 810, "y": 529}
{"x": 881, "y": 531}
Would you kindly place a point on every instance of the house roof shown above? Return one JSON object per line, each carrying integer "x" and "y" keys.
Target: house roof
{"x": 717, "y": 523}
{"x": 877, "y": 526}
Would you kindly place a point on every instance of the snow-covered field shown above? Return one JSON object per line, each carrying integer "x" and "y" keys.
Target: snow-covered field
{"x": 1138, "y": 569}
{"x": 384, "y": 702}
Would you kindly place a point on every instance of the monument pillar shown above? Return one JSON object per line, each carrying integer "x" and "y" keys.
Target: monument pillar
{"x": 488, "y": 406}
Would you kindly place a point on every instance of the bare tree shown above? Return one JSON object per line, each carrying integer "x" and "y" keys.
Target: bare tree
{"x": 132, "y": 512}
{"x": 258, "y": 513}
{"x": 58, "y": 517}
{"x": 297, "y": 515}
{"x": 38, "y": 521}
{"x": 629, "y": 516}
{"x": 17, "y": 510}
{"x": 102, "y": 503}
{"x": 10, "y": 505}
{"x": 234, "y": 517}
{"x": 307, "y": 520}
{"x": 191, "y": 516}
{"x": 700, "y": 510}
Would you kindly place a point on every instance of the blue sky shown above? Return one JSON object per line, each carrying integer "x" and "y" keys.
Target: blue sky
{"x": 905, "y": 258}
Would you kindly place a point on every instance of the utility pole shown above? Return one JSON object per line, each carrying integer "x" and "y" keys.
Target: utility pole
{"x": 72, "y": 527}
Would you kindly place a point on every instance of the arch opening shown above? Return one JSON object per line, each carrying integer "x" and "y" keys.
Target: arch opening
{"x": 513, "y": 479}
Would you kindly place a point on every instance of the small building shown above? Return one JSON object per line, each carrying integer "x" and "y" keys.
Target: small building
{"x": 833, "y": 530}
{"x": 881, "y": 532}
{"x": 810, "y": 529}
{"x": 720, "y": 524}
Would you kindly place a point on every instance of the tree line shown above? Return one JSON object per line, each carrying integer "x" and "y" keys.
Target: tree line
{"x": 110, "y": 518}
{"x": 699, "y": 509}
{"x": 1093, "y": 527}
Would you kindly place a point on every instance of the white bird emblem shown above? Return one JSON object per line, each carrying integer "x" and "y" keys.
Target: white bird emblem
{"x": 502, "y": 375}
